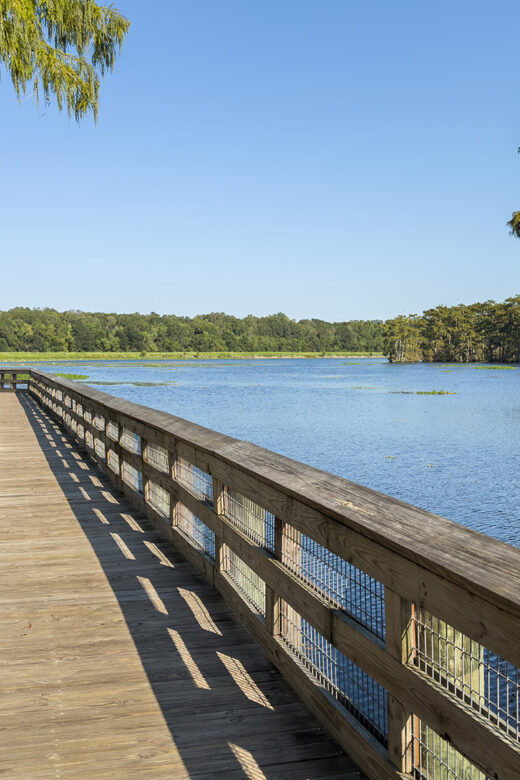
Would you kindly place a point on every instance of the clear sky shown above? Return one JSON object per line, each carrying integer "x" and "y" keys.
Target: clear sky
{"x": 331, "y": 159}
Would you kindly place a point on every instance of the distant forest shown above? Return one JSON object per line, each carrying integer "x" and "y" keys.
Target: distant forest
{"x": 47, "y": 330}
{"x": 482, "y": 332}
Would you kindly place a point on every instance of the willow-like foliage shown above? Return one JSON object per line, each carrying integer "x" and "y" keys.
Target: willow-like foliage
{"x": 514, "y": 224}
{"x": 60, "y": 48}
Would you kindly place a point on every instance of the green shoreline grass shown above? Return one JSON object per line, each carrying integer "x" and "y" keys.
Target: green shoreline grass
{"x": 31, "y": 357}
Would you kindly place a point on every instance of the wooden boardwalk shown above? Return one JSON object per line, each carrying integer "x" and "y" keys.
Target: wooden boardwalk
{"x": 116, "y": 659}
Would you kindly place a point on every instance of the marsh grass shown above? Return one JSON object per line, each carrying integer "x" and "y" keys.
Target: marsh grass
{"x": 79, "y": 356}
{"x": 435, "y": 392}
{"x": 422, "y": 392}
{"x": 449, "y": 366}
{"x": 106, "y": 383}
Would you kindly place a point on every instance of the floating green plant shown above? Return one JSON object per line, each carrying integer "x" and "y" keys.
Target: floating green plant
{"x": 475, "y": 367}
{"x": 133, "y": 384}
{"x": 422, "y": 392}
{"x": 495, "y": 368}
{"x": 435, "y": 392}
{"x": 152, "y": 384}
{"x": 73, "y": 376}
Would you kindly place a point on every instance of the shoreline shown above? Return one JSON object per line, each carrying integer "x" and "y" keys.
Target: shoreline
{"x": 32, "y": 357}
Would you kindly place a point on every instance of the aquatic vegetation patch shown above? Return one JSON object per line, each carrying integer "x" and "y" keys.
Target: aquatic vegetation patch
{"x": 495, "y": 368}
{"x": 435, "y": 392}
{"x": 73, "y": 376}
{"x": 106, "y": 383}
{"x": 475, "y": 367}
{"x": 422, "y": 392}
{"x": 152, "y": 384}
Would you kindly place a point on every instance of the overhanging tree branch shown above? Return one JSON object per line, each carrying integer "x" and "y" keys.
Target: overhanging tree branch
{"x": 60, "y": 48}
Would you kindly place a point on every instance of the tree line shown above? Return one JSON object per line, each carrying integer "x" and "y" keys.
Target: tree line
{"x": 481, "y": 332}
{"x": 48, "y": 330}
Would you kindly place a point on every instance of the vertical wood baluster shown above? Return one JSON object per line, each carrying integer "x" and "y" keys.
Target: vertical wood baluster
{"x": 272, "y": 599}
{"x": 219, "y": 498}
{"x": 402, "y": 725}
{"x": 145, "y": 480}
{"x": 173, "y": 496}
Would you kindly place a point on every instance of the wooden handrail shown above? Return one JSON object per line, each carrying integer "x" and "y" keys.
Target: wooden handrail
{"x": 437, "y": 579}
{"x": 14, "y": 379}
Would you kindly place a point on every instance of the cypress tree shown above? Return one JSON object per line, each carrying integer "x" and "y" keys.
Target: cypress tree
{"x": 60, "y": 49}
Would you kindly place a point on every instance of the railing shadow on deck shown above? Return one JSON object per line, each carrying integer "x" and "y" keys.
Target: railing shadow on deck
{"x": 226, "y": 706}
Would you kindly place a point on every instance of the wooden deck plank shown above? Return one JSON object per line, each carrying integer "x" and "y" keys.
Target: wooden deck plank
{"x": 105, "y": 675}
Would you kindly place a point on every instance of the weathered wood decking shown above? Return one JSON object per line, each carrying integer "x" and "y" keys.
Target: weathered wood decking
{"x": 116, "y": 659}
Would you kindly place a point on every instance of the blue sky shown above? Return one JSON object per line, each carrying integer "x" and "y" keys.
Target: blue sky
{"x": 329, "y": 159}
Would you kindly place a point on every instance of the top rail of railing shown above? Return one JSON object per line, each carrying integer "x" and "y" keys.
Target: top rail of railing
{"x": 348, "y": 583}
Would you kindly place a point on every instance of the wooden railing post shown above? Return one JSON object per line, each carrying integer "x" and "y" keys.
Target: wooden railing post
{"x": 173, "y": 498}
{"x": 272, "y": 599}
{"x": 219, "y": 498}
{"x": 402, "y": 725}
{"x": 143, "y": 477}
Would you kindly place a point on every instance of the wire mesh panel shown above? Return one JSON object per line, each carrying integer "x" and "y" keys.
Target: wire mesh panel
{"x": 80, "y": 431}
{"x": 99, "y": 448}
{"x": 131, "y": 441}
{"x": 349, "y": 588}
{"x": 89, "y": 439}
{"x": 68, "y": 401}
{"x": 158, "y": 498}
{"x": 99, "y": 422}
{"x": 113, "y": 461}
{"x": 351, "y": 686}
{"x": 435, "y": 759}
{"x": 194, "y": 479}
{"x": 490, "y": 685}
{"x": 250, "y": 518}
{"x": 132, "y": 477}
{"x": 112, "y": 430}
{"x": 87, "y": 416}
{"x": 245, "y": 579}
{"x": 198, "y": 531}
{"x": 79, "y": 410}
{"x": 157, "y": 457}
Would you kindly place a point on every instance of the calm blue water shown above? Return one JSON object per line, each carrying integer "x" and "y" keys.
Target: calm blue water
{"x": 456, "y": 455}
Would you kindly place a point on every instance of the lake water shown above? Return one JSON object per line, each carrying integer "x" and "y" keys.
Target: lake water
{"x": 456, "y": 455}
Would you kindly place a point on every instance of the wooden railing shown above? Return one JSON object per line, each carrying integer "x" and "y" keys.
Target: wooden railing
{"x": 14, "y": 379}
{"x": 399, "y": 629}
